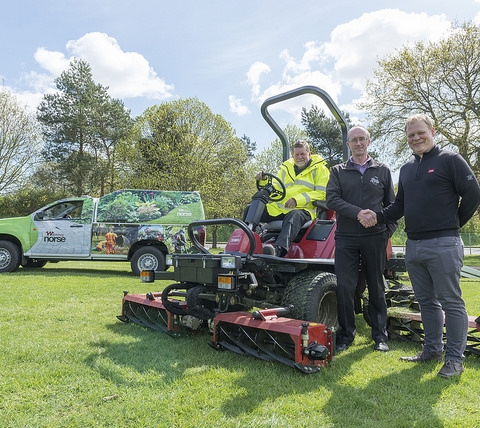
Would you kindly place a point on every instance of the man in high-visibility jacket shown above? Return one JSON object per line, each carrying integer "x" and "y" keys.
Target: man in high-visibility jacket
{"x": 305, "y": 177}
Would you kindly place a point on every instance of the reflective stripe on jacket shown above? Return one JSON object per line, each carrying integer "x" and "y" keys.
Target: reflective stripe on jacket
{"x": 306, "y": 187}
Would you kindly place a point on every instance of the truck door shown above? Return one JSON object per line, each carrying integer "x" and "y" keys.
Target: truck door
{"x": 64, "y": 230}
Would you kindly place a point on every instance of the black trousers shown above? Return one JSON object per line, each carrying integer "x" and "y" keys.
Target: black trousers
{"x": 371, "y": 250}
{"x": 292, "y": 222}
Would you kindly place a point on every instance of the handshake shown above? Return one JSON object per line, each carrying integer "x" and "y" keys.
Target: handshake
{"x": 367, "y": 218}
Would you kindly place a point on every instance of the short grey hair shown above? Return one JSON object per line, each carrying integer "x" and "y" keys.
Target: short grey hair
{"x": 358, "y": 127}
{"x": 301, "y": 144}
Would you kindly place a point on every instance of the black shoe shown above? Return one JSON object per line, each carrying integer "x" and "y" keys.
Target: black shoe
{"x": 451, "y": 369}
{"x": 341, "y": 347}
{"x": 276, "y": 250}
{"x": 268, "y": 249}
{"x": 381, "y": 346}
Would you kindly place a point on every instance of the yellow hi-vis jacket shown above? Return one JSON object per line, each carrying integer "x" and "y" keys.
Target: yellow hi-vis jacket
{"x": 306, "y": 187}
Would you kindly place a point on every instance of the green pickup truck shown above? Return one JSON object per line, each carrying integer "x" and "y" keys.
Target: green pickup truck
{"x": 140, "y": 226}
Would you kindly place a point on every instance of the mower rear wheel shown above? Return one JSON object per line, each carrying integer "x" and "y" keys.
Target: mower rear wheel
{"x": 313, "y": 295}
{"x": 147, "y": 257}
{"x": 9, "y": 256}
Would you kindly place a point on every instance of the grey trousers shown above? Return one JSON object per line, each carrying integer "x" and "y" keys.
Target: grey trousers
{"x": 434, "y": 268}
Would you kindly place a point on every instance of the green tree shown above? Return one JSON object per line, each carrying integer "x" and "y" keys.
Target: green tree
{"x": 294, "y": 133}
{"x": 26, "y": 200}
{"x": 441, "y": 79}
{"x": 250, "y": 145}
{"x": 82, "y": 126}
{"x": 182, "y": 145}
{"x": 324, "y": 134}
{"x": 115, "y": 125}
{"x": 20, "y": 141}
{"x": 270, "y": 158}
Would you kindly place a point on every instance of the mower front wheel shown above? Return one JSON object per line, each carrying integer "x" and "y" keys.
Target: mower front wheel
{"x": 9, "y": 256}
{"x": 314, "y": 298}
{"x": 147, "y": 257}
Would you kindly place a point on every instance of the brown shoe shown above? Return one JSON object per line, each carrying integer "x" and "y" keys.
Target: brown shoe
{"x": 451, "y": 369}
{"x": 421, "y": 357}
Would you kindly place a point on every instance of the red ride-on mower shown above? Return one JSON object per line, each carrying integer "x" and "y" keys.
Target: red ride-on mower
{"x": 281, "y": 309}
{"x": 310, "y": 243}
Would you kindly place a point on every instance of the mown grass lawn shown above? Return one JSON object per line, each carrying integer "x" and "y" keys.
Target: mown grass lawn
{"x": 66, "y": 361}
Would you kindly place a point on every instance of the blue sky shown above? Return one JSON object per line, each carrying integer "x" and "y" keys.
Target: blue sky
{"x": 230, "y": 54}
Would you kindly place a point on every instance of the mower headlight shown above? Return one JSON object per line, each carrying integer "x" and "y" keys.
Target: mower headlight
{"x": 226, "y": 282}
{"x": 169, "y": 260}
{"x": 227, "y": 262}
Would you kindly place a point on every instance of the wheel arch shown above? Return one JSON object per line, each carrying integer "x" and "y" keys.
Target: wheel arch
{"x": 147, "y": 243}
{"x": 11, "y": 238}
{"x": 14, "y": 240}
{"x": 147, "y": 250}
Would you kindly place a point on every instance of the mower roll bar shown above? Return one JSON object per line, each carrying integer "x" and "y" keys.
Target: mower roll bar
{"x": 295, "y": 93}
{"x": 286, "y": 155}
{"x": 213, "y": 221}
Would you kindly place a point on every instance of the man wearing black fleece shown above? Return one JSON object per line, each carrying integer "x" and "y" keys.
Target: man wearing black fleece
{"x": 360, "y": 182}
{"x": 437, "y": 193}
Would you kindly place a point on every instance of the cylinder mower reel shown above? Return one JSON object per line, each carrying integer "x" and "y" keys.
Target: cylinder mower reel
{"x": 306, "y": 346}
{"x": 148, "y": 310}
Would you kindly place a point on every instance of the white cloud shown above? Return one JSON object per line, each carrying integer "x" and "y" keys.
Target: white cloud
{"x": 358, "y": 44}
{"x": 311, "y": 57}
{"x": 254, "y": 74}
{"x": 346, "y": 60}
{"x": 37, "y": 85}
{"x": 237, "y": 106}
{"x": 305, "y": 71}
{"x": 53, "y": 62}
{"x": 127, "y": 74}
{"x": 308, "y": 70}
{"x": 476, "y": 20}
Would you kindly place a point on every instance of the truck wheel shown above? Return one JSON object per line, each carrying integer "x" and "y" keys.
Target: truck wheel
{"x": 9, "y": 256}
{"x": 313, "y": 295}
{"x": 147, "y": 258}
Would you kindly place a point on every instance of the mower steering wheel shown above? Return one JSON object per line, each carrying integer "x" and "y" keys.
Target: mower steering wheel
{"x": 275, "y": 194}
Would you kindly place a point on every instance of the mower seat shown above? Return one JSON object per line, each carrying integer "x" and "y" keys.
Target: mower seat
{"x": 276, "y": 226}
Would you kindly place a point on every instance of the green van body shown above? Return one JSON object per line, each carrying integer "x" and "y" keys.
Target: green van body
{"x": 136, "y": 225}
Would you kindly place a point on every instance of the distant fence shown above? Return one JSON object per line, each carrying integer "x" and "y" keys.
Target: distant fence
{"x": 470, "y": 240}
